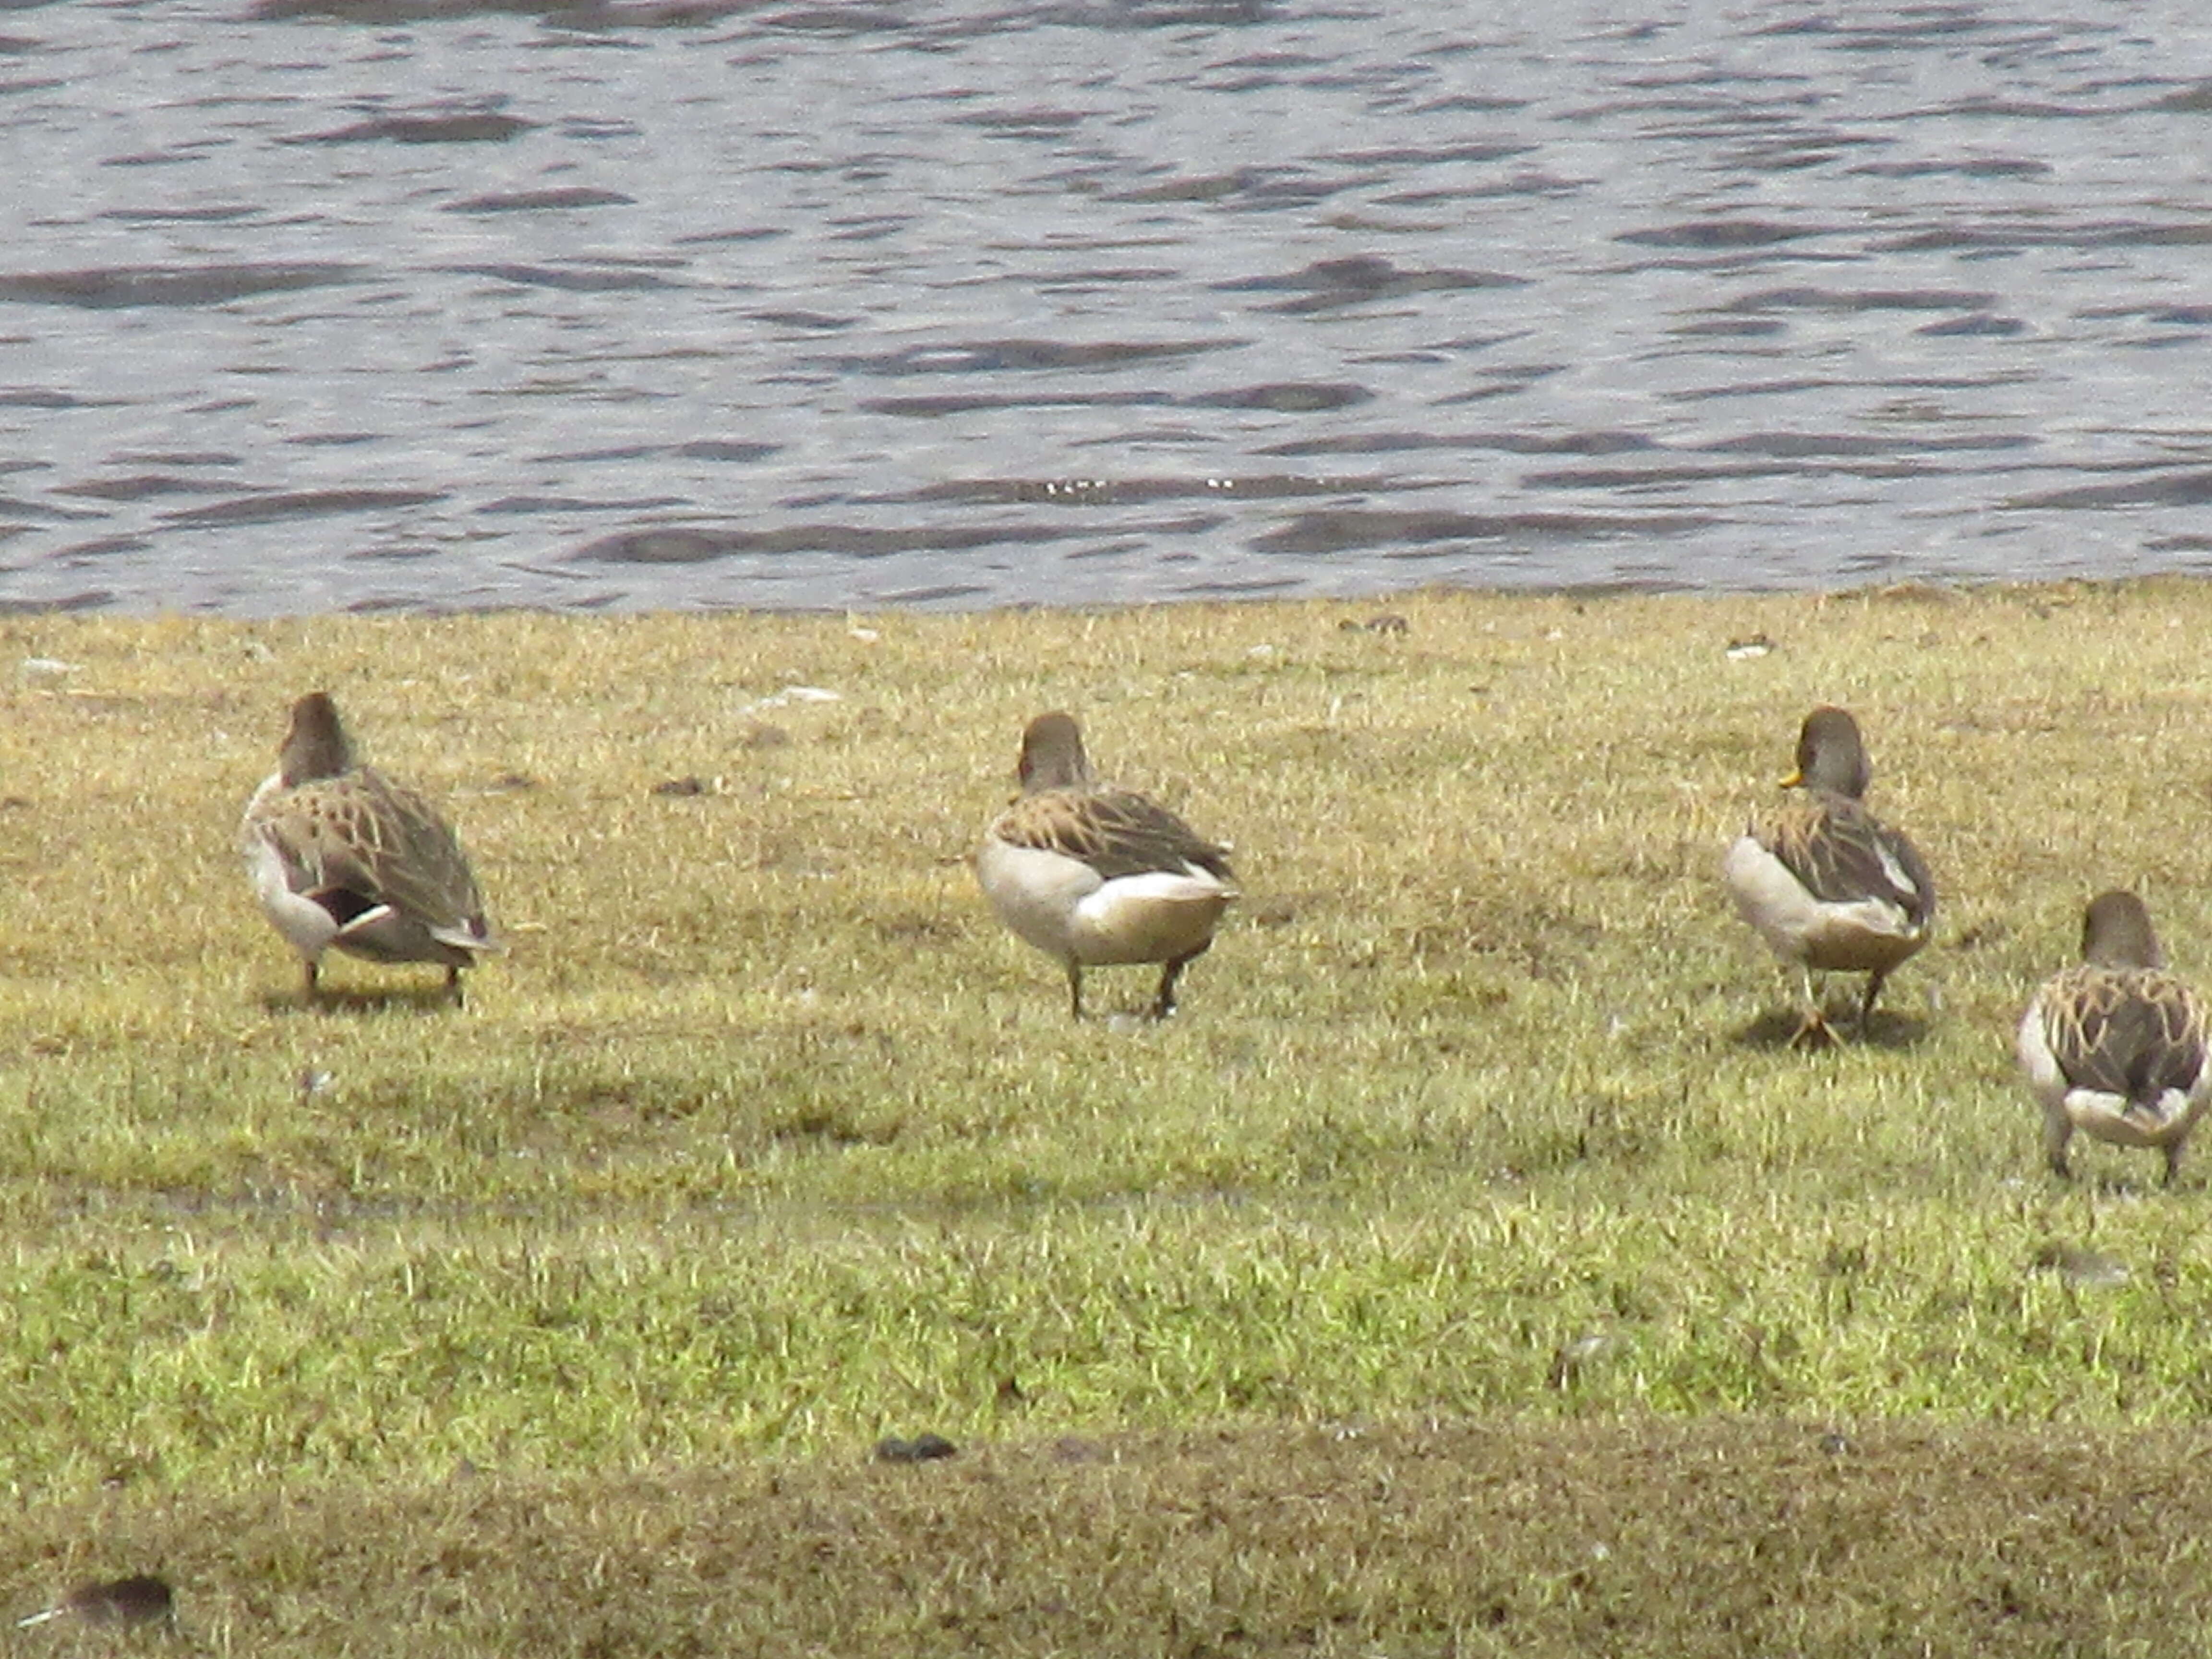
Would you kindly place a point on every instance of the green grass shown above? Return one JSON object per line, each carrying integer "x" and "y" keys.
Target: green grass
{"x": 764, "y": 1140}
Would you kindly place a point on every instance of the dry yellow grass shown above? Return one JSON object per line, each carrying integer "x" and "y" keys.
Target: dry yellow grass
{"x": 764, "y": 1139}
{"x": 1687, "y": 1539}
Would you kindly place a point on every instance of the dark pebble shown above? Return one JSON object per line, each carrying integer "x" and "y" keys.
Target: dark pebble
{"x": 923, "y": 1449}
{"x": 140, "y": 1598}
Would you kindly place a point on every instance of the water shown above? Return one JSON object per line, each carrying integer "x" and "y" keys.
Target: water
{"x": 367, "y": 303}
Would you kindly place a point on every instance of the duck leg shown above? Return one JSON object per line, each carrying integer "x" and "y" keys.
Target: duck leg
{"x": 2058, "y": 1131}
{"x": 1865, "y": 1003}
{"x": 1812, "y": 1031}
{"x": 1075, "y": 988}
{"x": 1163, "y": 1003}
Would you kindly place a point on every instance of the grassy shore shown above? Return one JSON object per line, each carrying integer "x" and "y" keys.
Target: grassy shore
{"x": 1471, "y": 1214}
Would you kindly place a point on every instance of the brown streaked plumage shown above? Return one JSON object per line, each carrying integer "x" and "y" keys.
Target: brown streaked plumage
{"x": 1094, "y": 875}
{"x": 342, "y": 856}
{"x": 1117, "y": 832}
{"x": 2117, "y": 1047}
{"x": 1828, "y": 885}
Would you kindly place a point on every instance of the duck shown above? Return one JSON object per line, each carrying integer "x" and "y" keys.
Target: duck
{"x": 1096, "y": 876}
{"x": 341, "y": 855}
{"x": 1829, "y": 886}
{"x": 2116, "y": 1047}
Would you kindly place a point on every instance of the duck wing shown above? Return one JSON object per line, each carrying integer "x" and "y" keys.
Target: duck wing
{"x": 2135, "y": 1033}
{"x": 1842, "y": 853}
{"x": 359, "y": 842}
{"x": 1117, "y": 832}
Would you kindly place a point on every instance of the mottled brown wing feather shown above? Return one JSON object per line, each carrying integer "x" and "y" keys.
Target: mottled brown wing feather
{"x": 1837, "y": 849}
{"x": 2132, "y": 1032}
{"x": 1118, "y": 832}
{"x": 377, "y": 839}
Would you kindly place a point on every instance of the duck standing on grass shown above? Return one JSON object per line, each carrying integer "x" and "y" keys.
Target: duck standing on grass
{"x": 1826, "y": 884}
{"x": 2116, "y": 1047}
{"x": 341, "y": 855}
{"x": 1096, "y": 876}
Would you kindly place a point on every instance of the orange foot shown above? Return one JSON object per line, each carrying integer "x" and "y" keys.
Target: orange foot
{"x": 1814, "y": 1032}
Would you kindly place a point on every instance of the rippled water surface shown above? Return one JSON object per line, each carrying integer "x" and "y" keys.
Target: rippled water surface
{"x": 364, "y": 304}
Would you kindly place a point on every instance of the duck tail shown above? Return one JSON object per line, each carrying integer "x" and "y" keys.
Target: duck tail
{"x": 2154, "y": 1102}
